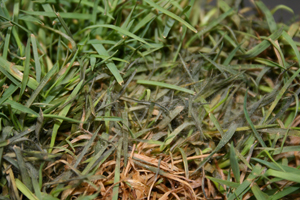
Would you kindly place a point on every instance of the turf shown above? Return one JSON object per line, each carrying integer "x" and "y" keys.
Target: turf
{"x": 148, "y": 100}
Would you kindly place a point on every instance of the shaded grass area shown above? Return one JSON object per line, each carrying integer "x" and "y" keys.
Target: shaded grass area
{"x": 148, "y": 100}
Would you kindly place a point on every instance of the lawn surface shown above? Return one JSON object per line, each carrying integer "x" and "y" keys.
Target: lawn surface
{"x": 148, "y": 100}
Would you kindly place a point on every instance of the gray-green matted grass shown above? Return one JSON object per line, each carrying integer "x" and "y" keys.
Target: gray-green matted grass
{"x": 148, "y": 100}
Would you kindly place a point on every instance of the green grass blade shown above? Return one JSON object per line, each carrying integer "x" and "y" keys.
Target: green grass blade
{"x": 22, "y": 187}
{"x": 209, "y": 27}
{"x": 284, "y": 193}
{"x": 168, "y": 27}
{"x": 257, "y": 170}
{"x": 269, "y": 17}
{"x": 115, "y": 193}
{"x": 173, "y": 135}
{"x": 6, "y": 43}
{"x": 9, "y": 67}
{"x": 38, "y": 69}
{"x": 224, "y": 182}
{"x": 268, "y": 63}
{"x": 84, "y": 16}
{"x": 119, "y": 29}
{"x": 23, "y": 169}
{"x": 165, "y": 85}
{"x": 108, "y": 118}
{"x": 154, "y": 5}
{"x": 231, "y": 55}
{"x": 258, "y": 193}
{"x": 234, "y": 164}
{"x": 86, "y": 147}
{"x": 110, "y": 64}
{"x": 258, "y": 137}
{"x": 293, "y": 45}
{"x": 283, "y": 175}
{"x": 280, "y": 94}
{"x": 225, "y": 139}
{"x": 283, "y": 7}
{"x": 41, "y": 85}
{"x": 63, "y": 113}
{"x": 26, "y": 67}
{"x": 12, "y": 88}
{"x": 148, "y": 18}
{"x": 277, "y": 166}
{"x": 185, "y": 162}
{"x": 62, "y": 118}
{"x": 20, "y": 107}
{"x": 128, "y": 19}
{"x": 263, "y": 45}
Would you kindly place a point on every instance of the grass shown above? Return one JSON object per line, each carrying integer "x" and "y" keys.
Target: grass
{"x": 148, "y": 100}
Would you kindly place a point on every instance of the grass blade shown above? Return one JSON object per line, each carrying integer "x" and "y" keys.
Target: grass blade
{"x": 115, "y": 193}
{"x": 225, "y": 139}
{"x": 154, "y": 5}
{"x": 165, "y": 85}
{"x": 63, "y": 113}
{"x": 23, "y": 169}
{"x": 121, "y": 30}
{"x": 20, "y": 107}
{"x": 26, "y": 67}
{"x": 209, "y": 27}
{"x": 283, "y": 175}
{"x": 281, "y": 93}
{"x": 258, "y": 137}
{"x": 258, "y": 193}
{"x": 263, "y": 45}
{"x": 234, "y": 164}
{"x": 257, "y": 170}
{"x": 185, "y": 162}
{"x": 38, "y": 69}
{"x": 269, "y": 17}
{"x": 22, "y": 187}
{"x": 110, "y": 64}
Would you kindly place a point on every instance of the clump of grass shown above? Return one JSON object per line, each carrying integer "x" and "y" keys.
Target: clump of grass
{"x": 148, "y": 99}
